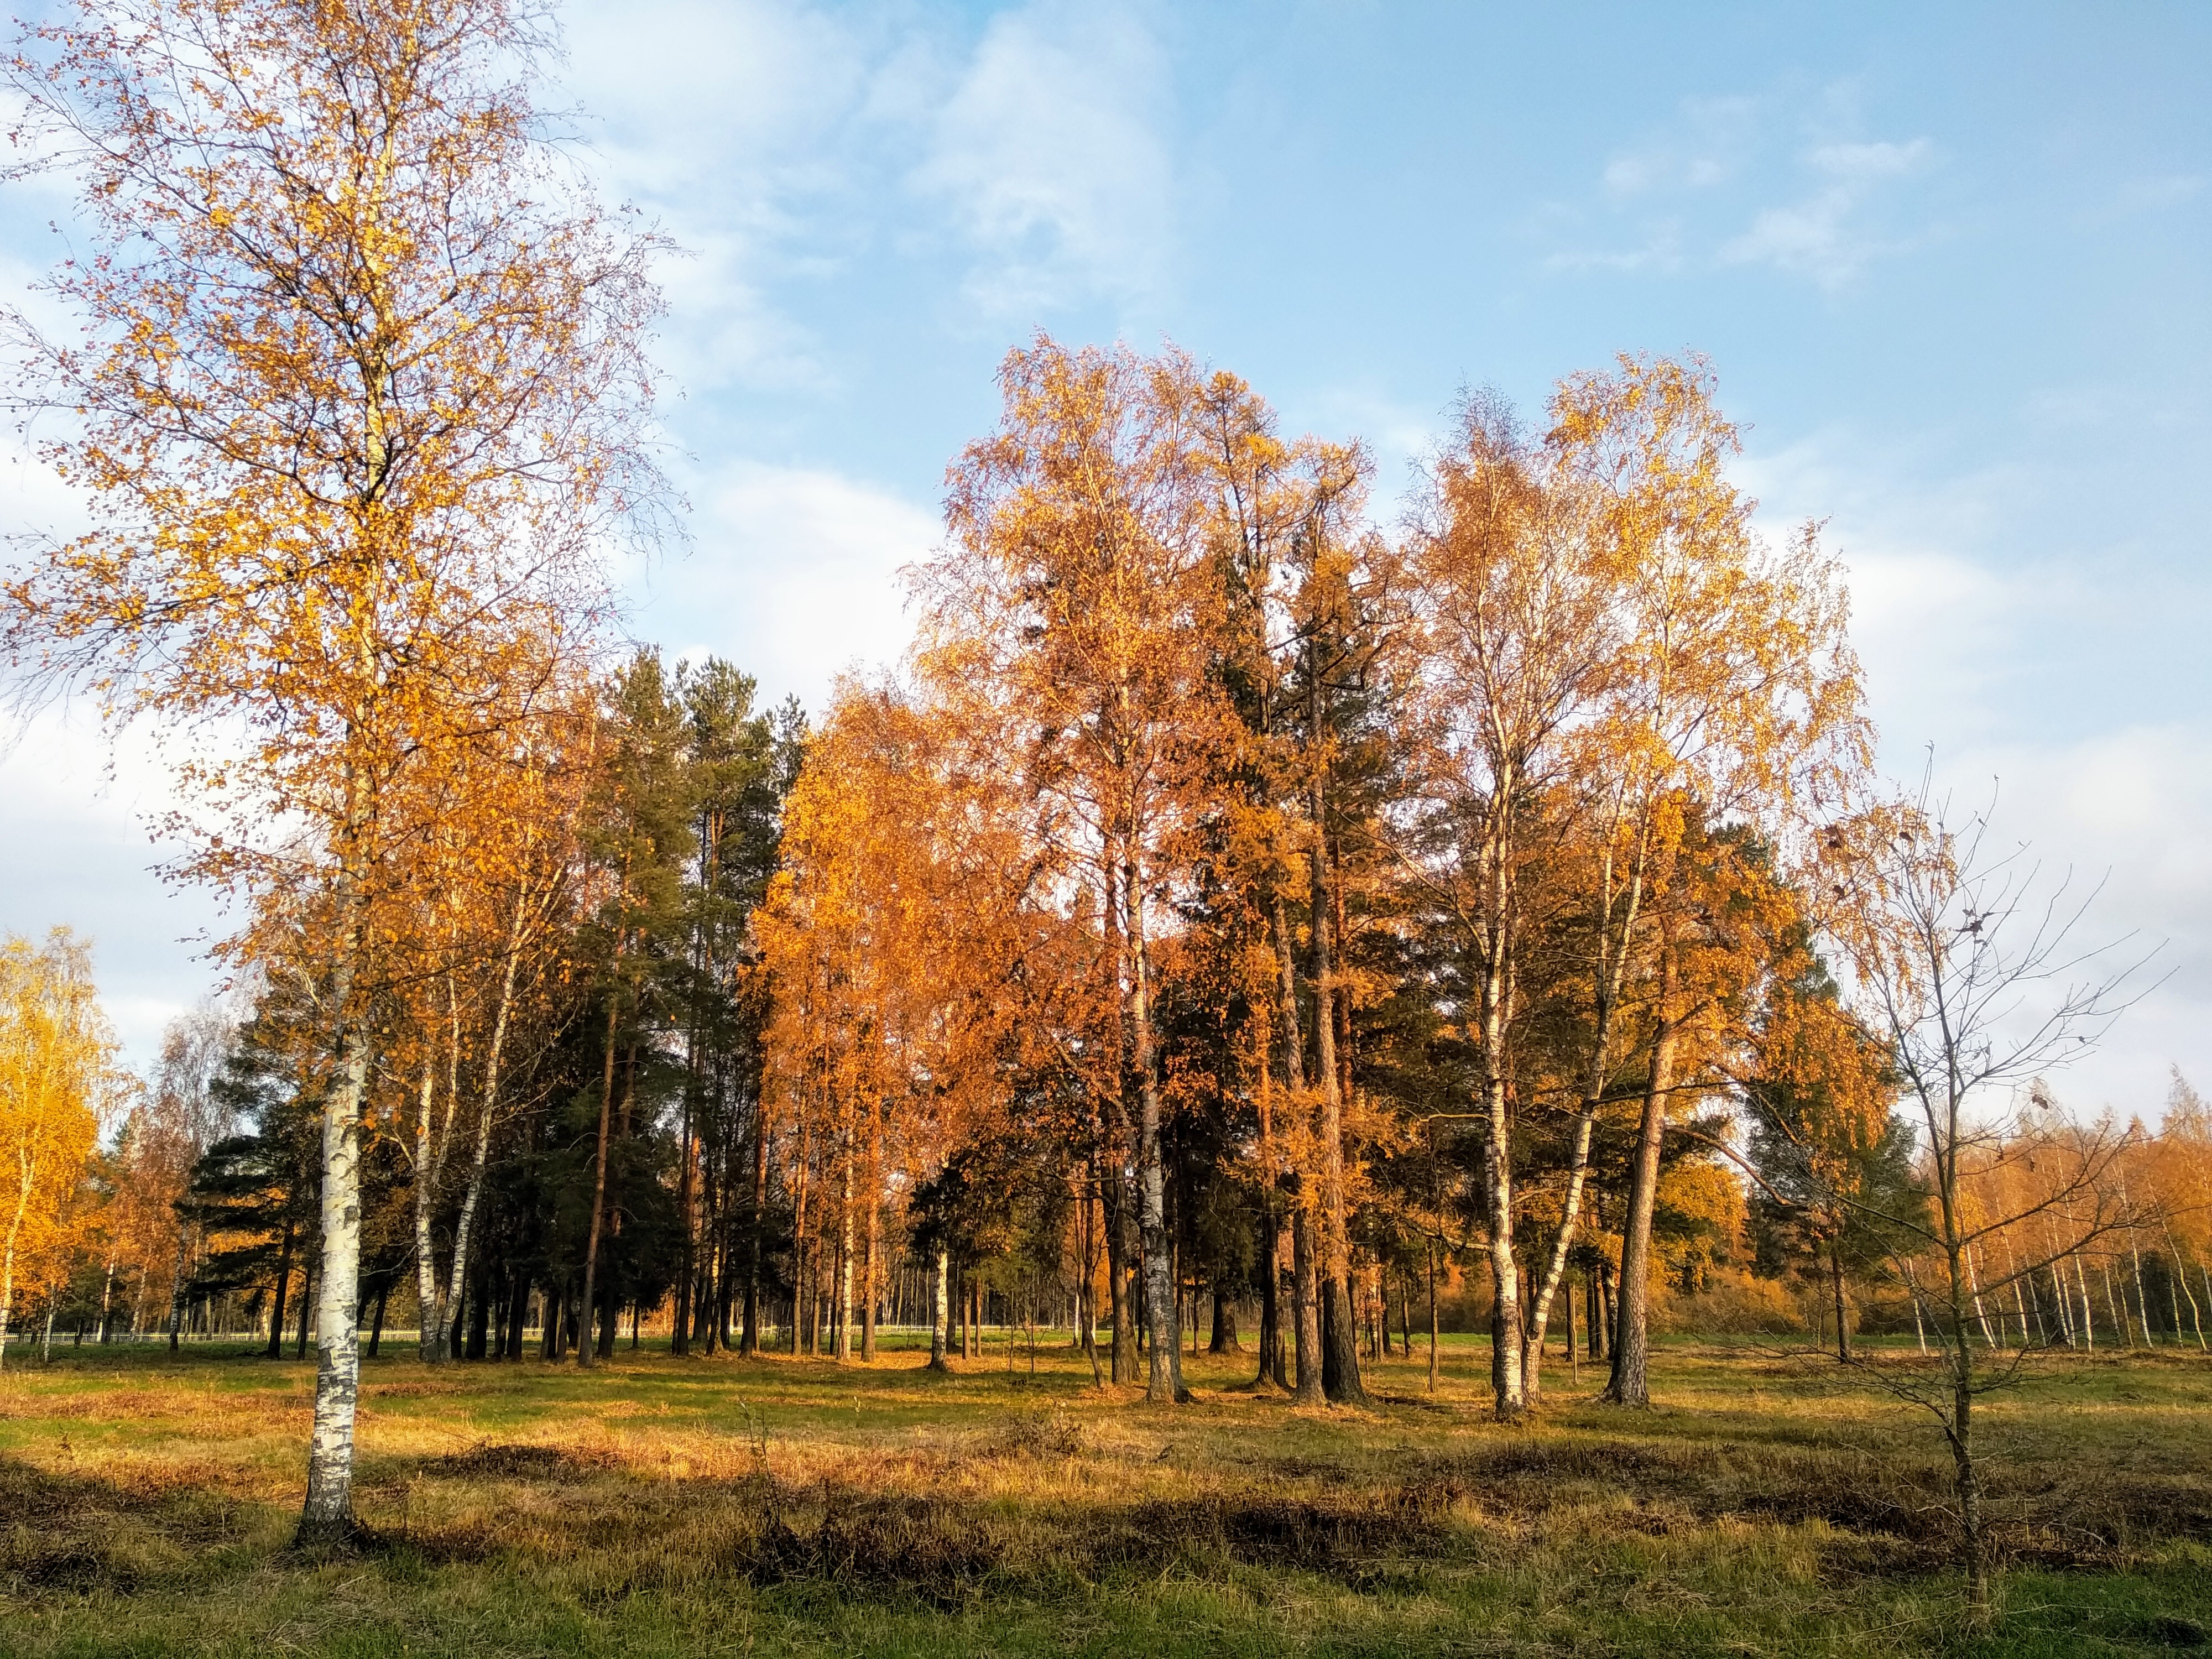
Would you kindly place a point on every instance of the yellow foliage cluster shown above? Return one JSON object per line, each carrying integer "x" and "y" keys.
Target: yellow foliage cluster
{"x": 58, "y": 1082}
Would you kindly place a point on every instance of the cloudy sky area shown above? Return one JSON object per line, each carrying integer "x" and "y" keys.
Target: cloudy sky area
{"x": 1954, "y": 266}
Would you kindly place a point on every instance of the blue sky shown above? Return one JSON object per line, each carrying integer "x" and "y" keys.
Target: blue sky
{"x": 1954, "y": 266}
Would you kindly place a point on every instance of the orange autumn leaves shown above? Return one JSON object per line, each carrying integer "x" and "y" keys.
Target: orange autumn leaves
{"x": 1228, "y": 736}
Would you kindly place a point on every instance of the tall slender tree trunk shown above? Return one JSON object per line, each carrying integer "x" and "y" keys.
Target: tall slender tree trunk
{"x": 1087, "y": 1304}
{"x": 1629, "y": 1383}
{"x": 430, "y": 1339}
{"x": 871, "y": 1272}
{"x": 1271, "y": 1326}
{"x": 275, "y": 1348}
{"x": 176, "y": 1286}
{"x": 940, "y": 1312}
{"x": 306, "y": 1312}
{"x": 2135, "y": 1250}
{"x": 1305, "y": 1285}
{"x": 1611, "y": 973}
{"x": 749, "y": 1341}
{"x": 842, "y": 1344}
{"x": 1432, "y": 1318}
{"x": 1271, "y": 1220}
{"x": 1843, "y": 1313}
{"x": 687, "y": 1259}
{"x": 7, "y": 1270}
{"x": 2179, "y": 1275}
{"x": 1164, "y": 1381}
{"x": 1340, "y": 1331}
{"x": 585, "y": 1344}
{"x": 486, "y": 1105}
{"x": 1967, "y": 1474}
{"x": 328, "y": 1516}
{"x": 869, "y": 1293}
{"x": 1494, "y": 1013}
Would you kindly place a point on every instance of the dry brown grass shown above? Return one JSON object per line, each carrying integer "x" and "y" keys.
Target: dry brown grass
{"x": 1763, "y": 1508}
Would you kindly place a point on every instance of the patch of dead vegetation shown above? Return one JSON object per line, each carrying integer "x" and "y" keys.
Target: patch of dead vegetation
{"x": 944, "y": 1554}
{"x": 1892, "y": 1514}
{"x": 499, "y": 1461}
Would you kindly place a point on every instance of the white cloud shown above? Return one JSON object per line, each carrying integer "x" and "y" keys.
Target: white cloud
{"x": 1932, "y": 616}
{"x": 1660, "y": 251}
{"x": 80, "y": 857}
{"x": 1823, "y": 235}
{"x": 731, "y": 125}
{"x": 793, "y": 576}
{"x": 782, "y": 142}
{"x": 1982, "y": 642}
{"x": 2117, "y": 817}
{"x": 1669, "y": 194}
{"x": 1049, "y": 156}
{"x": 1863, "y": 163}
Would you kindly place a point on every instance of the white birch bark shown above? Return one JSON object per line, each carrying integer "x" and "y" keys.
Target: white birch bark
{"x": 1164, "y": 1377}
{"x": 487, "y": 1104}
{"x": 940, "y": 1323}
{"x": 328, "y": 1514}
{"x": 430, "y": 1337}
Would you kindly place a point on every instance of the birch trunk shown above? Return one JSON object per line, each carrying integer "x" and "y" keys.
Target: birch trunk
{"x": 585, "y": 1344}
{"x": 869, "y": 1244}
{"x": 842, "y": 1344}
{"x": 430, "y": 1337}
{"x": 487, "y": 1102}
{"x": 26, "y": 1175}
{"x": 1163, "y": 1379}
{"x": 327, "y": 1516}
{"x": 940, "y": 1314}
{"x": 8, "y": 1271}
{"x": 1612, "y": 969}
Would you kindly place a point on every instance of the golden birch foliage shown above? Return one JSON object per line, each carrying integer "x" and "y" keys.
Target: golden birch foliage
{"x": 58, "y": 1079}
{"x": 357, "y": 386}
{"x": 1736, "y": 684}
{"x": 360, "y": 389}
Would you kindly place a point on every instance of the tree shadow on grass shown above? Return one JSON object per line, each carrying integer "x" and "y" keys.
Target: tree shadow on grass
{"x": 70, "y": 1533}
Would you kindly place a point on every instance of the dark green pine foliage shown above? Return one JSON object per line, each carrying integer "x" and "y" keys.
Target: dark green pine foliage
{"x": 740, "y": 763}
{"x": 638, "y": 838}
{"x": 254, "y": 1194}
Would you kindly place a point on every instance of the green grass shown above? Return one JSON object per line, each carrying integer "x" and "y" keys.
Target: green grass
{"x": 1769, "y": 1504}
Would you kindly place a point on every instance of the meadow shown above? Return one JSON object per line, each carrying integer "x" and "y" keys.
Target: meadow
{"x": 1768, "y": 1505}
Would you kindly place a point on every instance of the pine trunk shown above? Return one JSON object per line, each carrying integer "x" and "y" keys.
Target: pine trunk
{"x": 1630, "y": 1383}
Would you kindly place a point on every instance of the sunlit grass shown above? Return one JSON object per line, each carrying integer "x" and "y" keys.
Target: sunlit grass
{"x": 1770, "y": 1504}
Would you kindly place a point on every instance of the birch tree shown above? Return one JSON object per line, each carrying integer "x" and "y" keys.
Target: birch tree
{"x": 359, "y": 391}
{"x": 1970, "y": 976}
{"x": 1521, "y": 639}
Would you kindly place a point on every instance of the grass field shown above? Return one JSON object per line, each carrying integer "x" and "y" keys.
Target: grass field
{"x": 1768, "y": 1505}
